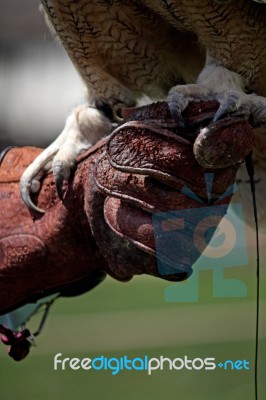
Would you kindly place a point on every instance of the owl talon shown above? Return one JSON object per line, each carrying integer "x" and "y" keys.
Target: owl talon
{"x": 83, "y": 128}
{"x": 177, "y": 102}
{"x": 61, "y": 173}
{"x": 59, "y": 186}
{"x": 177, "y": 116}
{"x": 229, "y": 103}
{"x": 229, "y": 92}
{"x": 25, "y": 194}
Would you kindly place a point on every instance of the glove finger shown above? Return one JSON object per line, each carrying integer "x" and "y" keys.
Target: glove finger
{"x": 217, "y": 144}
{"x": 136, "y": 226}
{"x": 141, "y": 190}
{"x": 165, "y": 157}
{"x": 176, "y": 241}
{"x": 224, "y": 144}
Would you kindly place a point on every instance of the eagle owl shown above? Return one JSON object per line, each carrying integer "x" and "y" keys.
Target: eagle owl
{"x": 128, "y": 52}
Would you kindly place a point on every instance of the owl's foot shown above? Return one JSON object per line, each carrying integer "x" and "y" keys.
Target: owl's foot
{"x": 227, "y": 87}
{"x": 83, "y": 128}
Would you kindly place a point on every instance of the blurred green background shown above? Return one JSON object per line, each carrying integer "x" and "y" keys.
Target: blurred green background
{"x": 38, "y": 87}
{"x": 132, "y": 319}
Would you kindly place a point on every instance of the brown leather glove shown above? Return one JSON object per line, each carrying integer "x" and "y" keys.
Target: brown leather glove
{"x": 107, "y": 220}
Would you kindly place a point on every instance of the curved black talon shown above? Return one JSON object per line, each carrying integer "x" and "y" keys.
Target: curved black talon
{"x": 177, "y": 116}
{"x": 59, "y": 187}
{"x": 228, "y": 104}
{"x": 176, "y": 104}
{"x": 25, "y": 194}
{"x": 59, "y": 178}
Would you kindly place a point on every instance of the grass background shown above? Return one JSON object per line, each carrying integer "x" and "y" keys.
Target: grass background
{"x": 115, "y": 319}
{"x": 133, "y": 319}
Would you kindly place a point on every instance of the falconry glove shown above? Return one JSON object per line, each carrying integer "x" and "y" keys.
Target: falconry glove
{"x": 107, "y": 222}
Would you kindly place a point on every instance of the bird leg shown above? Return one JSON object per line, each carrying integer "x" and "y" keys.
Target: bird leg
{"x": 228, "y": 88}
{"x": 84, "y": 126}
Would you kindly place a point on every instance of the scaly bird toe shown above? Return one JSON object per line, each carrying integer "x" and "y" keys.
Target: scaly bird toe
{"x": 83, "y": 128}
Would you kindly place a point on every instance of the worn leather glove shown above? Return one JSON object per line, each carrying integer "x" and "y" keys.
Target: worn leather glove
{"x": 107, "y": 222}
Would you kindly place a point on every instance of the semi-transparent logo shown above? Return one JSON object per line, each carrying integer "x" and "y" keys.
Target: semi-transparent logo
{"x": 211, "y": 236}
